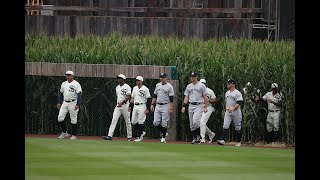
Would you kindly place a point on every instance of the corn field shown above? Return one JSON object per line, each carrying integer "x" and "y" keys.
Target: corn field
{"x": 245, "y": 60}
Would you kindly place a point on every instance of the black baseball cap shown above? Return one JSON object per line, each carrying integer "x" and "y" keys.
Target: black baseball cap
{"x": 232, "y": 81}
{"x": 163, "y": 75}
{"x": 194, "y": 74}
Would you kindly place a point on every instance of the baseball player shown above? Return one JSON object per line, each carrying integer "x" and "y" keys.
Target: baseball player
{"x": 195, "y": 94}
{"x": 123, "y": 92}
{"x": 205, "y": 116}
{"x": 69, "y": 101}
{"x": 234, "y": 100}
{"x": 274, "y": 101}
{"x": 141, "y": 99}
{"x": 162, "y": 105}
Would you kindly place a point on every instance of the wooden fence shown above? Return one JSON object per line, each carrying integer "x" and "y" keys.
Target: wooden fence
{"x": 111, "y": 71}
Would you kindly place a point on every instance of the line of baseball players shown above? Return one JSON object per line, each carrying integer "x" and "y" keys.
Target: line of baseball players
{"x": 198, "y": 97}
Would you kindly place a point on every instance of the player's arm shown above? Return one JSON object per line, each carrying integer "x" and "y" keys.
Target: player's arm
{"x": 185, "y": 103}
{"x": 171, "y": 95}
{"x": 239, "y": 102}
{"x": 205, "y": 100}
{"x": 60, "y": 100}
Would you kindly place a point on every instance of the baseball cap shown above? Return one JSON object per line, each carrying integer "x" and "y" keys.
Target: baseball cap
{"x": 121, "y": 76}
{"x": 140, "y": 78}
{"x": 69, "y": 73}
{"x": 274, "y": 85}
{"x": 194, "y": 74}
{"x": 232, "y": 81}
{"x": 163, "y": 75}
{"x": 203, "y": 81}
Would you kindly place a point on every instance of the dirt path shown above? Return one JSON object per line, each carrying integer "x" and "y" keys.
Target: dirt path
{"x": 258, "y": 145}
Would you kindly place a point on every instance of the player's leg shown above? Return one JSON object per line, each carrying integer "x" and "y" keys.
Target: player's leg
{"x": 114, "y": 121}
{"x": 269, "y": 124}
{"x": 276, "y": 125}
{"x": 193, "y": 130}
{"x": 73, "y": 118}
{"x": 237, "y": 119}
{"x": 126, "y": 115}
{"x": 62, "y": 115}
{"x": 157, "y": 118}
{"x": 141, "y": 119}
{"x": 196, "y": 120}
{"x": 203, "y": 124}
{"x": 226, "y": 124}
{"x": 164, "y": 123}
{"x": 134, "y": 120}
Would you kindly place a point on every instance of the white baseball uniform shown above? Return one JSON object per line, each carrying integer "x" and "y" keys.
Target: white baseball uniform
{"x": 140, "y": 96}
{"x": 121, "y": 92}
{"x": 69, "y": 91}
{"x": 236, "y": 116}
{"x": 273, "y": 118}
{"x": 205, "y": 116}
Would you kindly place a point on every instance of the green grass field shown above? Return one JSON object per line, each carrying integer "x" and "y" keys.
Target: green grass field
{"x": 53, "y": 159}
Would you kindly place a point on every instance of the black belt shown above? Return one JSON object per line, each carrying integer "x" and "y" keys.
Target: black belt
{"x": 273, "y": 110}
{"x": 138, "y": 103}
{"x": 70, "y": 100}
{"x": 195, "y": 103}
{"x": 162, "y": 103}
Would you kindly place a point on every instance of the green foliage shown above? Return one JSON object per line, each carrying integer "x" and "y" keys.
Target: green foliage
{"x": 245, "y": 60}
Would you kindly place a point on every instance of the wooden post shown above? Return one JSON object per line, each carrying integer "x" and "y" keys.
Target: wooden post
{"x": 237, "y": 5}
{"x": 172, "y": 124}
{"x": 132, "y": 4}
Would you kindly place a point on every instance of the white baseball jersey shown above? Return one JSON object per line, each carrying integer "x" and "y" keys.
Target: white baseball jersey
{"x": 140, "y": 95}
{"x": 275, "y": 98}
{"x": 163, "y": 91}
{"x": 210, "y": 95}
{"x": 232, "y": 98}
{"x": 122, "y": 92}
{"x": 70, "y": 90}
{"x": 195, "y": 92}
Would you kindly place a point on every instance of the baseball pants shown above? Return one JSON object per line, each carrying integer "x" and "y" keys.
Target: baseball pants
{"x": 116, "y": 115}
{"x": 68, "y": 107}
{"x": 195, "y": 114}
{"x": 273, "y": 120}
{"x": 234, "y": 116}
{"x": 203, "y": 122}
{"x": 138, "y": 114}
{"x": 161, "y": 115}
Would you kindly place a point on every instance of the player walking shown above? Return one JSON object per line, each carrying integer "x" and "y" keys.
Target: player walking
{"x": 195, "y": 94}
{"x": 70, "y": 98}
{"x": 205, "y": 116}
{"x": 233, "y": 113}
{"x": 123, "y": 92}
{"x": 141, "y": 99}
{"x": 162, "y": 105}
{"x": 273, "y": 119}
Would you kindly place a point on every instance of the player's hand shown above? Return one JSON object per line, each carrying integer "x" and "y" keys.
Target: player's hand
{"x": 170, "y": 109}
{"x": 256, "y": 98}
{"x": 120, "y": 104}
{"x": 146, "y": 111}
{"x": 231, "y": 110}
{"x": 129, "y": 109}
{"x": 76, "y": 107}
{"x": 270, "y": 101}
{"x": 183, "y": 109}
{"x": 152, "y": 108}
{"x": 205, "y": 109}
{"x": 58, "y": 106}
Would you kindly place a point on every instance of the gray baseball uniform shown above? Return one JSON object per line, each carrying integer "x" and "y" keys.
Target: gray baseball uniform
{"x": 196, "y": 93}
{"x": 161, "y": 113}
{"x": 235, "y": 116}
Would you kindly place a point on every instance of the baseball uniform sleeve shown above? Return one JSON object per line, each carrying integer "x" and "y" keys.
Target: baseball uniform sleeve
{"x": 203, "y": 90}
{"x": 78, "y": 88}
{"x": 213, "y": 96}
{"x": 265, "y": 96}
{"x": 148, "y": 93}
{"x": 171, "y": 92}
{"x": 61, "y": 88}
{"x": 128, "y": 90}
{"x": 186, "y": 92}
{"x": 156, "y": 90}
{"x": 239, "y": 97}
{"x": 133, "y": 92}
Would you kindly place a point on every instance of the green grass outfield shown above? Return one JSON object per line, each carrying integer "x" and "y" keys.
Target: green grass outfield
{"x": 53, "y": 159}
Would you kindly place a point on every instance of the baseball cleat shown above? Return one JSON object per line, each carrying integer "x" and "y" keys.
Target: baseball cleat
{"x": 137, "y": 140}
{"x": 202, "y": 141}
{"x": 238, "y": 144}
{"x": 167, "y": 134}
{"x": 221, "y": 142}
{"x": 143, "y": 134}
{"x": 193, "y": 141}
{"x": 211, "y": 137}
{"x": 162, "y": 140}
{"x": 129, "y": 139}
{"x": 63, "y": 135}
{"x": 107, "y": 137}
{"x": 73, "y": 137}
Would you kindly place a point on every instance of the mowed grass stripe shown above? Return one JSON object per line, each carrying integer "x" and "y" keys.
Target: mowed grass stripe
{"x": 94, "y": 159}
